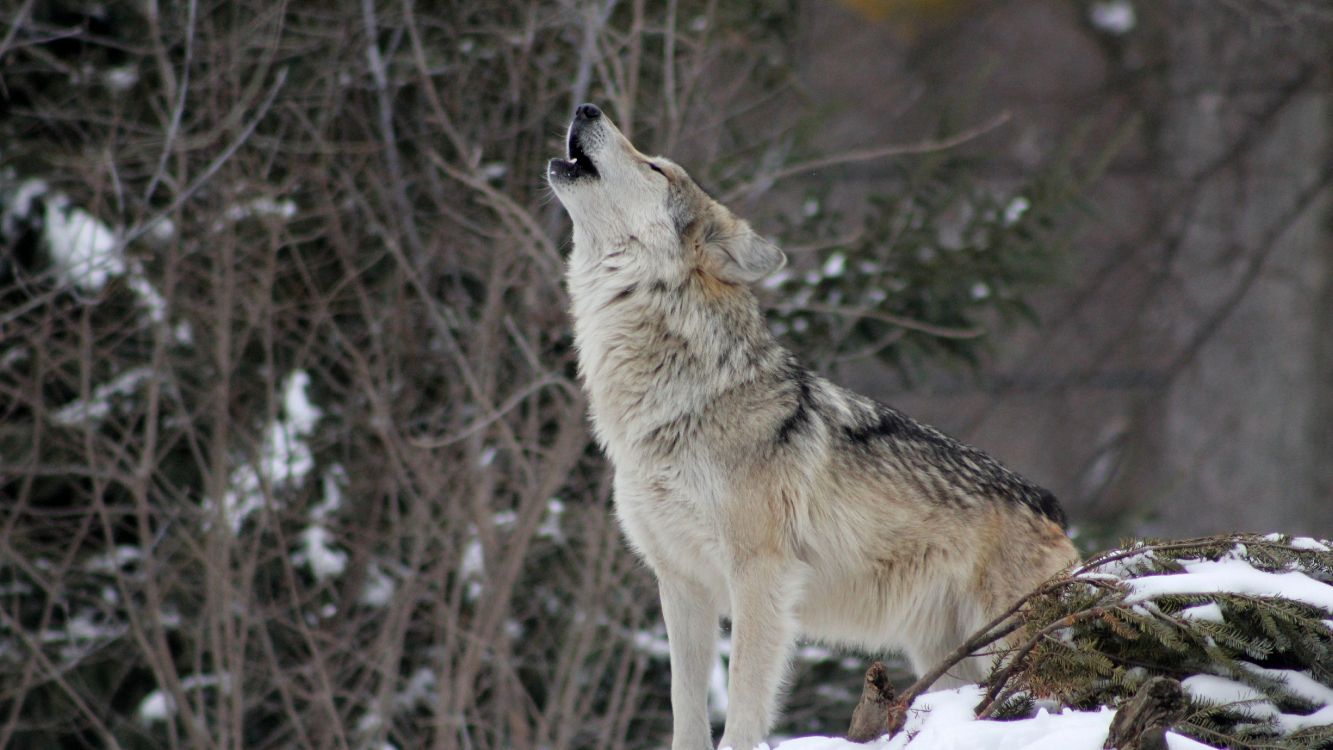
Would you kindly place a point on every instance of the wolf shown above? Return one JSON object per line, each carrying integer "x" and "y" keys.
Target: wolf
{"x": 753, "y": 488}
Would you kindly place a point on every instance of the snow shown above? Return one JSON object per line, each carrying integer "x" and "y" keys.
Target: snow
{"x": 653, "y": 642}
{"x": 121, "y": 79}
{"x": 1294, "y": 722}
{"x": 550, "y": 528}
{"x": 98, "y": 404}
{"x": 1248, "y": 701}
{"x": 84, "y": 249}
{"x": 319, "y": 555}
{"x": 148, "y": 296}
{"x": 1306, "y": 543}
{"x": 1299, "y": 684}
{"x": 1209, "y": 612}
{"x": 419, "y": 690}
{"x": 261, "y": 207}
{"x": 157, "y": 706}
{"x": 1299, "y": 542}
{"x": 301, "y": 413}
{"x": 378, "y": 588}
{"x": 370, "y": 722}
{"x": 472, "y": 566}
{"x": 1232, "y": 576}
{"x": 717, "y": 689}
{"x": 82, "y": 628}
{"x": 833, "y": 267}
{"x": 113, "y": 561}
{"x": 1239, "y": 697}
{"x": 1113, "y": 16}
{"x": 85, "y": 252}
{"x": 332, "y": 482}
{"x": 285, "y": 456}
{"x": 163, "y": 229}
{"x": 1015, "y": 210}
{"x": 943, "y": 720}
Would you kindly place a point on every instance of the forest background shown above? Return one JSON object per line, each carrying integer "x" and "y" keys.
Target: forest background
{"x": 292, "y": 448}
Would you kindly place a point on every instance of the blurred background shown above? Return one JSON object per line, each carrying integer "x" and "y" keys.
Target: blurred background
{"x": 292, "y": 448}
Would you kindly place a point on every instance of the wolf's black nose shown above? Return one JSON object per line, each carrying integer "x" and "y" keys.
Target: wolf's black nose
{"x": 587, "y": 112}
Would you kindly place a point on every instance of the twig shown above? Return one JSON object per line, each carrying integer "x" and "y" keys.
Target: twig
{"x": 989, "y": 704}
{"x": 869, "y": 154}
{"x": 505, "y": 407}
{"x": 144, "y": 227}
{"x": 397, "y": 185}
{"x": 18, "y": 19}
{"x": 177, "y": 110}
{"x": 944, "y": 332}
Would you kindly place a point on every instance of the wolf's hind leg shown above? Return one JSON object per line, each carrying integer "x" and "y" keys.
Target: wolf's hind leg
{"x": 691, "y": 622}
{"x": 937, "y": 643}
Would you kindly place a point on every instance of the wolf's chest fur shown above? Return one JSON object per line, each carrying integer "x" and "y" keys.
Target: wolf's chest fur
{"x": 667, "y": 361}
{"x": 681, "y": 375}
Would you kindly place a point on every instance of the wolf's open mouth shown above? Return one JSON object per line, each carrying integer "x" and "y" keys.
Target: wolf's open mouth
{"x": 575, "y": 151}
{"x": 579, "y": 164}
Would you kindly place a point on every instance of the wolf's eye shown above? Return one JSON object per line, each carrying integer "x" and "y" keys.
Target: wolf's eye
{"x": 655, "y": 168}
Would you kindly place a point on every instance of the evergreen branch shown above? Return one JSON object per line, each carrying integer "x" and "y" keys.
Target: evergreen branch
{"x": 988, "y": 703}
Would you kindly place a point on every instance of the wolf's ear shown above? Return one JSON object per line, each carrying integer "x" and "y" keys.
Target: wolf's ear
{"x": 737, "y": 254}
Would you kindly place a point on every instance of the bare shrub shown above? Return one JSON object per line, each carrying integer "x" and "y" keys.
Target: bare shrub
{"x": 293, "y": 453}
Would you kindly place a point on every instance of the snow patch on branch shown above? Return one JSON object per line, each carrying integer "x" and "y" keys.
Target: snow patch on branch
{"x": 1234, "y": 577}
{"x": 285, "y": 456}
{"x": 85, "y": 250}
{"x": 98, "y": 404}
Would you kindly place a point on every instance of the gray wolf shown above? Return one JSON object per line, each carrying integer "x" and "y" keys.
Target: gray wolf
{"x": 754, "y": 489}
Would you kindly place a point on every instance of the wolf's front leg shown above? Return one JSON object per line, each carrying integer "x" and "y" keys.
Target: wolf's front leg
{"x": 691, "y": 621}
{"x": 763, "y": 628}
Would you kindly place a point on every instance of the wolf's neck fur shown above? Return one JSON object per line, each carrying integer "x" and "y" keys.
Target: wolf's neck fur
{"x": 658, "y": 338}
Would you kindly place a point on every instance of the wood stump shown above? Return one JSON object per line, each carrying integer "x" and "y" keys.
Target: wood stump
{"x": 878, "y": 712}
{"x": 1141, "y": 722}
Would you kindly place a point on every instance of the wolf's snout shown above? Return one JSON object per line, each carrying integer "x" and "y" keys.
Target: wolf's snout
{"x": 584, "y": 135}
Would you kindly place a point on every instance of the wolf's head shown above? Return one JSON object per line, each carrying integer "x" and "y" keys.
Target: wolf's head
{"x": 619, "y": 198}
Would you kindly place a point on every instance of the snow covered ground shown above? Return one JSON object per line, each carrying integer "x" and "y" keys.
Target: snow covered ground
{"x": 943, "y": 720}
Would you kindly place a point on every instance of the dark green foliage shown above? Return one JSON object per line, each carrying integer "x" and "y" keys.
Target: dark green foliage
{"x": 925, "y": 272}
{"x": 1094, "y": 640}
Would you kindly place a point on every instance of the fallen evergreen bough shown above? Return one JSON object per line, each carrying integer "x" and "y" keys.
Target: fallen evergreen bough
{"x": 1244, "y": 623}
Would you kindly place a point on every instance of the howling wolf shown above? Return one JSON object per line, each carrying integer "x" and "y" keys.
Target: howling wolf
{"x": 753, "y": 488}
